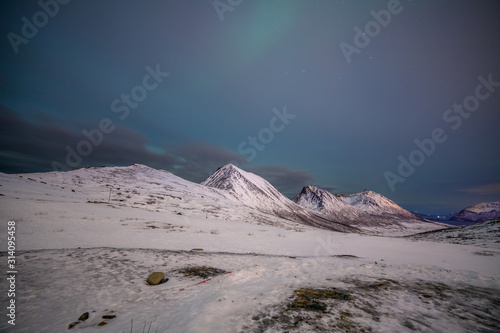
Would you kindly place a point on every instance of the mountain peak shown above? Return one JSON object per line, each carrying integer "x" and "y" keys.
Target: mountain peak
{"x": 362, "y": 206}
{"x": 309, "y": 188}
{"x": 228, "y": 166}
{"x": 254, "y": 191}
{"x": 228, "y": 169}
{"x": 314, "y": 198}
{"x": 245, "y": 186}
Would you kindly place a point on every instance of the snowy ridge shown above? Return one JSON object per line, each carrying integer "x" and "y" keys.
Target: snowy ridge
{"x": 240, "y": 195}
{"x": 136, "y": 186}
{"x": 246, "y": 187}
{"x": 229, "y": 194}
{"x": 367, "y": 210}
{"x": 254, "y": 191}
{"x": 374, "y": 203}
{"x": 479, "y": 213}
{"x": 323, "y": 201}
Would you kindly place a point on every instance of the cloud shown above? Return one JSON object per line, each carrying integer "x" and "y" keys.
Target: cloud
{"x": 330, "y": 189}
{"x": 33, "y": 146}
{"x": 198, "y": 160}
{"x": 27, "y": 146}
{"x": 287, "y": 181}
{"x": 487, "y": 189}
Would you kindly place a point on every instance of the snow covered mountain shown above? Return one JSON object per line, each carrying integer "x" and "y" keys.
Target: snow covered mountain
{"x": 229, "y": 194}
{"x": 137, "y": 186}
{"x": 247, "y": 188}
{"x": 254, "y": 191}
{"x": 365, "y": 210}
{"x": 376, "y": 204}
{"x": 478, "y": 213}
{"x": 327, "y": 203}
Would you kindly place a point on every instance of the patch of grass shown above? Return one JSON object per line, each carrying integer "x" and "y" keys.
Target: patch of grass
{"x": 381, "y": 284}
{"x": 309, "y": 299}
{"x": 201, "y": 271}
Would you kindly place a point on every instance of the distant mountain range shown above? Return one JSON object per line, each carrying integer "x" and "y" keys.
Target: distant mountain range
{"x": 228, "y": 194}
{"x": 478, "y": 213}
{"x": 254, "y": 191}
{"x": 365, "y": 211}
{"x": 367, "y": 208}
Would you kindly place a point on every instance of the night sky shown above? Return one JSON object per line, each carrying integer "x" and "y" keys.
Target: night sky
{"x": 402, "y": 98}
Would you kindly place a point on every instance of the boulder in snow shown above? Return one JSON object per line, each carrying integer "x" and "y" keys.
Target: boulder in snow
{"x": 155, "y": 278}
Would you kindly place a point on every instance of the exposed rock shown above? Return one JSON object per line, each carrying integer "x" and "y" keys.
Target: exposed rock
{"x": 84, "y": 316}
{"x": 102, "y": 323}
{"x": 73, "y": 324}
{"x": 109, "y": 317}
{"x": 155, "y": 278}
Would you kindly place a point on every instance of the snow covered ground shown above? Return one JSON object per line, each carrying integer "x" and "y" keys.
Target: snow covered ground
{"x": 77, "y": 253}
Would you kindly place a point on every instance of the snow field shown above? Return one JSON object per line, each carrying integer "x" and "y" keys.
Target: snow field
{"x": 57, "y": 286}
